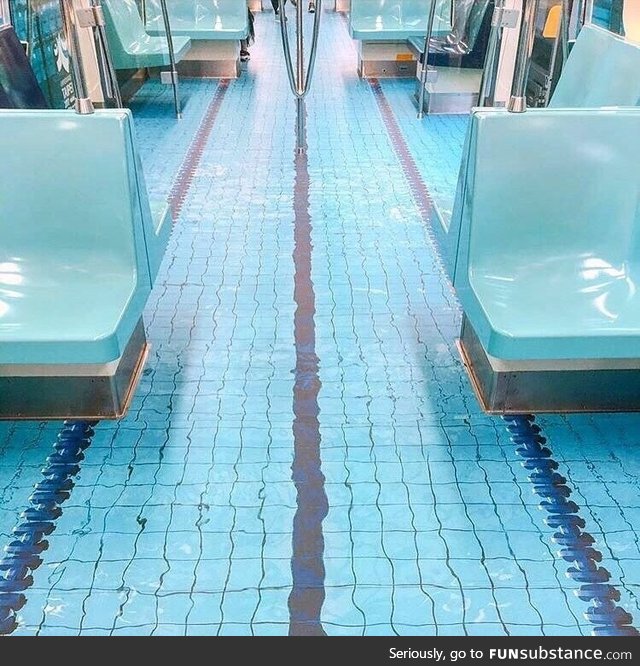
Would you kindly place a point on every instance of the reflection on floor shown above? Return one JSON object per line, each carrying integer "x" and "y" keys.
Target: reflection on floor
{"x": 182, "y": 517}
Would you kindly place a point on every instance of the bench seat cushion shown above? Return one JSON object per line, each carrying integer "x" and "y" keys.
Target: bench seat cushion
{"x": 201, "y": 19}
{"x": 545, "y": 233}
{"x": 58, "y": 309}
{"x": 396, "y": 20}
{"x": 75, "y": 271}
{"x": 133, "y": 48}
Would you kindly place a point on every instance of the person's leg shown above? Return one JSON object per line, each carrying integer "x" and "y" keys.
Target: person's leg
{"x": 312, "y": 6}
{"x": 276, "y": 6}
{"x": 244, "y": 50}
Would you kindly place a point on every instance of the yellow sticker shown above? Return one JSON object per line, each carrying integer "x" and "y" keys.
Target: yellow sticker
{"x": 404, "y": 56}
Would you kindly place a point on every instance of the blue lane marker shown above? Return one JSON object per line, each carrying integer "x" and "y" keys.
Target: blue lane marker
{"x": 607, "y": 618}
{"x": 22, "y": 555}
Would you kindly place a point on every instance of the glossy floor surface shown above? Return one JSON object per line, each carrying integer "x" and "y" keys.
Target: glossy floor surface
{"x": 185, "y": 519}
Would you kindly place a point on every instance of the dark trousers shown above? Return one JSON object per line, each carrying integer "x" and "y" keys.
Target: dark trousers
{"x": 276, "y": 4}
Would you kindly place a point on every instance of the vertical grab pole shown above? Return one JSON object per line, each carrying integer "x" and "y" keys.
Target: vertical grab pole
{"x": 84, "y": 105}
{"x": 172, "y": 58}
{"x": 491, "y": 61}
{"x": 425, "y": 58}
{"x": 518, "y": 100}
{"x": 299, "y": 81}
{"x": 300, "y": 103}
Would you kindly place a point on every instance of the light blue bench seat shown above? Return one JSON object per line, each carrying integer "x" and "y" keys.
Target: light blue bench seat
{"x": 131, "y": 46}
{"x": 396, "y": 20}
{"x": 201, "y": 19}
{"x": 81, "y": 248}
{"x": 547, "y": 263}
{"x": 548, "y": 260}
{"x": 80, "y": 252}
{"x": 602, "y": 70}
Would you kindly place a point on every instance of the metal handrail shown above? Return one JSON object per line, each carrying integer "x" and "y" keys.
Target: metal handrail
{"x": 111, "y": 88}
{"x": 83, "y": 105}
{"x": 560, "y": 45}
{"x": 565, "y": 20}
{"x": 588, "y": 12}
{"x": 489, "y": 71}
{"x": 172, "y": 58}
{"x": 424, "y": 72}
{"x": 172, "y": 54}
{"x": 5, "y": 11}
{"x": 299, "y": 81}
{"x": 518, "y": 100}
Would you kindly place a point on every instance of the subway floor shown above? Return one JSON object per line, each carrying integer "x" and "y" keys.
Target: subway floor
{"x": 305, "y": 454}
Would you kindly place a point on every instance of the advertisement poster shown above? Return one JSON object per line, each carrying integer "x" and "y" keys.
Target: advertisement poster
{"x": 38, "y": 24}
{"x": 19, "y": 88}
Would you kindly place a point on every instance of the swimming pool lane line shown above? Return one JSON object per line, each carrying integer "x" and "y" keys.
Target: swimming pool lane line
{"x": 22, "y": 556}
{"x": 192, "y": 159}
{"x": 420, "y": 192}
{"x": 307, "y": 561}
{"x": 577, "y": 545}
{"x": 605, "y": 616}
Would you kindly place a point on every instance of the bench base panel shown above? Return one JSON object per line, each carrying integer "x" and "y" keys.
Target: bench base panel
{"x": 380, "y": 60}
{"x": 447, "y": 103}
{"x": 209, "y": 69}
{"x": 130, "y": 81}
{"x": 577, "y": 386}
{"x": 451, "y": 90}
{"x": 64, "y": 392}
{"x": 210, "y": 59}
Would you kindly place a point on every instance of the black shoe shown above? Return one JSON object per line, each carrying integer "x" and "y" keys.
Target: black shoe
{"x": 312, "y": 8}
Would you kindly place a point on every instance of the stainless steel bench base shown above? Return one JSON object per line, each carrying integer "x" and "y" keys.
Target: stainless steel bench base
{"x": 92, "y": 392}
{"x": 379, "y": 60}
{"x": 450, "y": 90}
{"x": 516, "y": 387}
{"x": 386, "y": 69}
{"x": 211, "y": 59}
{"x": 447, "y": 103}
{"x": 209, "y": 69}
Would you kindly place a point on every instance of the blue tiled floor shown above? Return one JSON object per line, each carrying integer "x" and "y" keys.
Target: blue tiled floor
{"x": 436, "y": 143}
{"x": 181, "y": 519}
